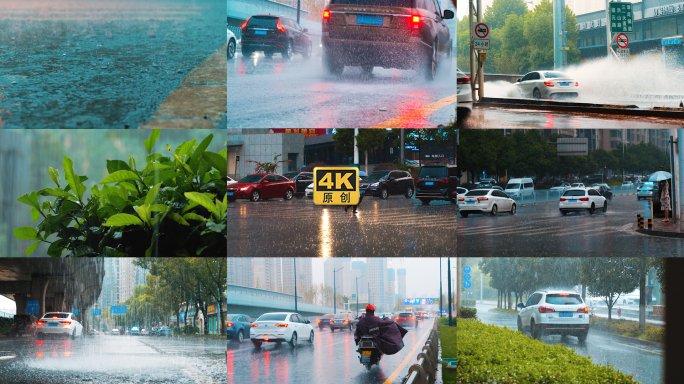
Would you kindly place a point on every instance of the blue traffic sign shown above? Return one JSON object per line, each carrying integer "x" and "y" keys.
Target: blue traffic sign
{"x": 32, "y": 306}
{"x": 76, "y": 312}
{"x": 466, "y": 269}
{"x": 466, "y": 277}
{"x": 466, "y": 284}
{"x": 97, "y": 312}
{"x": 118, "y": 310}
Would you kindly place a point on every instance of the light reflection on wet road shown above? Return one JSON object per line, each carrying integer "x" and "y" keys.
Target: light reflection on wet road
{"x": 396, "y": 227}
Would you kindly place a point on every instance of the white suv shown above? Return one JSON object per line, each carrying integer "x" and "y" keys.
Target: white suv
{"x": 581, "y": 199}
{"x": 554, "y": 313}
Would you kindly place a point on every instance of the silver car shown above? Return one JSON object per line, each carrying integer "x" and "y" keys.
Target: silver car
{"x": 547, "y": 85}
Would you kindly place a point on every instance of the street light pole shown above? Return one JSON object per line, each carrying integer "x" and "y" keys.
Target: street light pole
{"x": 440, "y": 286}
{"x": 294, "y": 261}
{"x": 357, "y": 295}
{"x": 449, "y": 287}
{"x": 335, "y": 290}
{"x": 298, "y": 6}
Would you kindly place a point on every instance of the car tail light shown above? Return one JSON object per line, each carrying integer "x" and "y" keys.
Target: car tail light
{"x": 463, "y": 80}
{"x": 326, "y": 15}
{"x": 40, "y": 323}
{"x": 583, "y": 310}
{"x": 280, "y": 27}
{"x": 319, "y": 320}
{"x": 562, "y": 199}
{"x": 254, "y": 325}
{"x": 584, "y": 199}
{"x": 563, "y": 294}
{"x": 326, "y": 18}
{"x": 543, "y": 309}
{"x": 230, "y": 325}
{"x": 418, "y": 181}
{"x": 65, "y": 322}
{"x": 281, "y": 325}
{"x": 461, "y": 199}
{"x": 415, "y": 26}
{"x": 242, "y": 27}
{"x": 482, "y": 198}
{"x": 54, "y": 317}
{"x": 548, "y": 84}
{"x": 39, "y": 354}
{"x": 576, "y": 84}
{"x": 443, "y": 181}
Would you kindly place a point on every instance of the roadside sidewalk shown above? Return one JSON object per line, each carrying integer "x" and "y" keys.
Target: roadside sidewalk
{"x": 670, "y": 229}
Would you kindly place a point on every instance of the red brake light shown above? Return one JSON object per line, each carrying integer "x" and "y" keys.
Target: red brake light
{"x": 65, "y": 322}
{"x": 463, "y": 80}
{"x": 281, "y": 325}
{"x": 443, "y": 181}
{"x": 461, "y": 199}
{"x": 562, "y": 199}
{"x": 254, "y": 325}
{"x": 563, "y": 294}
{"x": 280, "y": 27}
{"x": 244, "y": 24}
{"x": 576, "y": 83}
{"x": 319, "y": 320}
{"x": 40, "y": 323}
{"x": 415, "y": 26}
{"x": 346, "y": 319}
{"x": 584, "y": 310}
{"x": 415, "y": 20}
{"x": 584, "y": 199}
{"x": 482, "y": 198}
{"x": 230, "y": 325}
{"x": 326, "y": 14}
{"x": 545, "y": 309}
{"x": 40, "y": 354}
{"x": 54, "y": 317}
{"x": 548, "y": 84}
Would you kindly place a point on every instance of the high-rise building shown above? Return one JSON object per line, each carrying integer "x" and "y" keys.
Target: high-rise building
{"x": 391, "y": 289}
{"x": 119, "y": 282}
{"x": 239, "y": 269}
{"x": 343, "y": 277}
{"x": 401, "y": 282}
{"x": 376, "y": 269}
{"x": 359, "y": 279}
{"x": 304, "y": 274}
{"x": 266, "y": 273}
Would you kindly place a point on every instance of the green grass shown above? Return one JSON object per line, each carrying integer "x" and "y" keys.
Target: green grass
{"x": 513, "y": 311}
{"x": 447, "y": 339}
{"x": 629, "y": 329}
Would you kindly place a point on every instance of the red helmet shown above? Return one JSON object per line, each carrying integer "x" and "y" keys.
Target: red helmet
{"x": 370, "y": 307}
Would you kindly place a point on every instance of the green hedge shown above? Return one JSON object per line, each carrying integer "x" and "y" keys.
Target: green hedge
{"x": 492, "y": 354}
{"x": 629, "y": 329}
{"x": 5, "y": 325}
{"x": 468, "y": 303}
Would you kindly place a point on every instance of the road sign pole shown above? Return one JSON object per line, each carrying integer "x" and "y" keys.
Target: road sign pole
{"x": 449, "y": 287}
{"x": 473, "y": 74}
{"x": 480, "y": 66}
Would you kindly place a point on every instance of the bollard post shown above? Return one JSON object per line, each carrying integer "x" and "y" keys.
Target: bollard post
{"x": 650, "y": 223}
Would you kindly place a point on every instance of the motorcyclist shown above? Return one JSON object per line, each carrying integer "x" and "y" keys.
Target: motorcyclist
{"x": 386, "y": 333}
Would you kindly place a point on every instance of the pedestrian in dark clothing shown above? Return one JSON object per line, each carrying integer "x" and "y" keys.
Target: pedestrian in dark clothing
{"x": 346, "y": 207}
{"x": 386, "y": 333}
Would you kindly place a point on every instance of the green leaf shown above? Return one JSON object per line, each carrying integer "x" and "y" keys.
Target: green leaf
{"x": 203, "y": 200}
{"x": 177, "y": 218}
{"x": 215, "y": 227}
{"x": 111, "y": 252}
{"x": 123, "y": 193}
{"x": 144, "y": 213}
{"x": 152, "y": 195}
{"x": 54, "y": 175}
{"x": 83, "y": 250}
{"x": 158, "y": 207}
{"x": 68, "y": 206}
{"x": 58, "y": 192}
{"x": 72, "y": 178}
{"x": 160, "y": 177}
{"x": 35, "y": 214}
{"x": 217, "y": 161}
{"x": 193, "y": 216}
{"x": 117, "y": 165}
{"x": 32, "y": 248}
{"x": 122, "y": 219}
{"x": 185, "y": 148}
{"x": 26, "y": 233}
{"x": 152, "y": 140}
{"x": 131, "y": 163}
{"x": 30, "y": 200}
{"x": 118, "y": 202}
{"x": 95, "y": 190}
{"x": 131, "y": 188}
{"x": 200, "y": 150}
{"x": 120, "y": 176}
{"x": 55, "y": 249}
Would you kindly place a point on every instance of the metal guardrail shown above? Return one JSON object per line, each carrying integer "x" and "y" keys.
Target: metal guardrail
{"x": 545, "y": 195}
{"x": 425, "y": 369}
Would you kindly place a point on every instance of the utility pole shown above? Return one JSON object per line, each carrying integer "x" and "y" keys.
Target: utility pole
{"x": 335, "y": 290}
{"x": 679, "y": 177}
{"x": 475, "y": 77}
{"x": 298, "y": 6}
{"x": 357, "y": 295}
{"x": 356, "y": 149}
{"x": 440, "y": 286}
{"x": 401, "y": 146}
{"x": 560, "y": 56}
{"x": 294, "y": 261}
{"x": 449, "y": 287}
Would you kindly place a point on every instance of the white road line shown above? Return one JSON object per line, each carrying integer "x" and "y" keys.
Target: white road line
{"x": 642, "y": 349}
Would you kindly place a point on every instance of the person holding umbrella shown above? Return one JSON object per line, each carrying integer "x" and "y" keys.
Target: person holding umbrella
{"x": 361, "y": 193}
{"x": 665, "y": 199}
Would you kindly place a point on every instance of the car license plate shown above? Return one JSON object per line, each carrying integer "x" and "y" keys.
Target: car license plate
{"x": 21, "y": 330}
{"x": 362, "y": 191}
{"x": 429, "y": 183}
{"x": 325, "y": 321}
{"x": 369, "y": 20}
{"x": 52, "y": 324}
{"x": 572, "y": 201}
{"x": 564, "y": 314}
{"x": 404, "y": 323}
{"x": 230, "y": 193}
{"x": 564, "y": 84}
{"x": 365, "y": 353}
{"x": 470, "y": 202}
{"x": 260, "y": 32}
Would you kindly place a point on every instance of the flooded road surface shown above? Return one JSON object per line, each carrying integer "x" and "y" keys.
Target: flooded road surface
{"x": 113, "y": 359}
{"x": 396, "y": 227}
{"x": 97, "y": 63}
{"x": 541, "y": 230}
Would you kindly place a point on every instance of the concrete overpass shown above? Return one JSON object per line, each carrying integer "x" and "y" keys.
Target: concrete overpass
{"x": 59, "y": 284}
{"x": 255, "y": 302}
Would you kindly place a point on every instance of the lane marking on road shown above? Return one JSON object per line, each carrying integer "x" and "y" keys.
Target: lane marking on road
{"x": 410, "y": 355}
{"x": 402, "y": 121}
{"x": 643, "y": 349}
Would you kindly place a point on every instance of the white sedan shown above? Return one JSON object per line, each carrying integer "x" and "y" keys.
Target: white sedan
{"x": 464, "y": 97}
{"x": 547, "y": 85}
{"x": 581, "y": 199}
{"x": 577, "y": 185}
{"x": 309, "y": 191}
{"x": 58, "y": 323}
{"x": 485, "y": 200}
{"x": 231, "y": 181}
{"x": 280, "y": 326}
{"x": 232, "y": 44}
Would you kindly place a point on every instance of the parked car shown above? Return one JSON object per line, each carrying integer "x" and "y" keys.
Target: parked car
{"x": 559, "y": 187}
{"x": 274, "y": 34}
{"x": 403, "y": 34}
{"x": 22, "y": 325}
{"x": 302, "y": 180}
{"x": 165, "y": 331}
{"x": 464, "y": 97}
{"x": 437, "y": 182}
{"x": 238, "y": 327}
{"x": 554, "y": 313}
{"x": 58, "y": 323}
{"x": 581, "y": 199}
{"x": 547, "y": 85}
{"x": 231, "y": 181}
{"x": 627, "y": 184}
{"x": 383, "y": 184}
{"x": 485, "y": 201}
{"x": 261, "y": 187}
{"x": 281, "y": 326}
{"x": 232, "y": 44}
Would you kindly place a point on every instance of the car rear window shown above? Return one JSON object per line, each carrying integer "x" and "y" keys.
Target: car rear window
{"x": 554, "y": 75}
{"x": 381, "y": 3}
{"x": 563, "y": 299}
{"x": 341, "y": 316}
{"x": 405, "y": 314}
{"x": 273, "y": 317}
{"x": 478, "y": 193}
{"x": 574, "y": 193}
{"x": 52, "y": 315}
{"x": 262, "y": 21}
{"x": 251, "y": 179}
{"x": 433, "y": 172}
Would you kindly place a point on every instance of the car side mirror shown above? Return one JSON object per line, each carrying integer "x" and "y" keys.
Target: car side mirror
{"x": 517, "y": 81}
{"x": 305, "y": 30}
{"x": 307, "y": 322}
{"x": 448, "y": 14}
{"x": 264, "y": 182}
{"x": 390, "y": 179}
{"x": 521, "y": 305}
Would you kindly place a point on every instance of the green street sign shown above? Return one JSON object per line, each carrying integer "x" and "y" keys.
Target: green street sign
{"x": 621, "y": 17}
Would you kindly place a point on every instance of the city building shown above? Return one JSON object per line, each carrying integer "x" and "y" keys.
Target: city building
{"x": 401, "y": 282}
{"x": 390, "y": 293}
{"x": 376, "y": 269}
{"x": 266, "y": 273}
{"x": 262, "y": 146}
{"x": 360, "y": 279}
{"x": 239, "y": 271}
{"x": 343, "y": 277}
{"x": 120, "y": 279}
{"x": 304, "y": 274}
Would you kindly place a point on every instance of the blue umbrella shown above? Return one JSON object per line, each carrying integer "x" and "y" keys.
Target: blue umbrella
{"x": 659, "y": 176}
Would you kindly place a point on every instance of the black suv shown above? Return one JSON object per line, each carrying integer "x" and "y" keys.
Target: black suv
{"x": 382, "y": 184}
{"x": 437, "y": 182}
{"x": 403, "y": 34}
{"x": 22, "y": 325}
{"x": 302, "y": 179}
{"x": 273, "y": 34}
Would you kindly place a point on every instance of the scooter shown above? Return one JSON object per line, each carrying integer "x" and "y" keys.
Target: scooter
{"x": 369, "y": 352}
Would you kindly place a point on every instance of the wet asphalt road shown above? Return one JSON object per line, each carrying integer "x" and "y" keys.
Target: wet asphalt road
{"x": 396, "y": 227}
{"x": 113, "y": 359}
{"x": 541, "y": 231}
{"x": 97, "y": 63}
{"x": 645, "y": 362}
{"x": 331, "y": 359}
{"x": 531, "y": 119}
{"x": 275, "y": 93}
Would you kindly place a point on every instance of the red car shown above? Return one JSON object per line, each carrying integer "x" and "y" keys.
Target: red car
{"x": 406, "y": 319}
{"x": 261, "y": 187}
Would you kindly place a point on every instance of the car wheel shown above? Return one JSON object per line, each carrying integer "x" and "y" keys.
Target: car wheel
{"x": 307, "y": 53}
{"x": 431, "y": 63}
{"x": 257, "y": 344}
{"x": 332, "y": 66}
{"x": 350, "y": 328}
{"x": 384, "y": 194}
{"x": 494, "y": 210}
{"x": 592, "y": 209}
{"x": 287, "y": 53}
{"x": 231, "y": 49}
{"x": 288, "y": 194}
{"x": 409, "y": 193}
{"x": 293, "y": 340}
{"x": 513, "y": 209}
{"x": 241, "y": 336}
{"x": 534, "y": 330}
{"x": 425, "y": 201}
{"x": 73, "y": 335}
{"x": 582, "y": 337}
{"x": 563, "y": 212}
{"x": 254, "y": 196}
{"x": 268, "y": 54}
{"x": 332, "y": 329}
{"x": 311, "y": 337}
{"x": 536, "y": 94}
{"x": 520, "y": 327}
{"x": 246, "y": 53}
{"x": 463, "y": 214}
{"x": 605, "y": 206}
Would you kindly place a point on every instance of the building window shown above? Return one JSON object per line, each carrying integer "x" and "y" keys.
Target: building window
{"x": 647, "y": 29}
{"x": 613, "y": 144}
{"x": 664, "y": 27}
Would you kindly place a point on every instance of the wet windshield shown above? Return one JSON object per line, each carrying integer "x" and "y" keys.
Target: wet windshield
{"x": 513, "y": 186}
{"x": 377, "y": 175}
{"x": 251, "y": 179}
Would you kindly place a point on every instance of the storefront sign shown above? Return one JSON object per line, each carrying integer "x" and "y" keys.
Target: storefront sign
{"x": 664, "y": 10}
